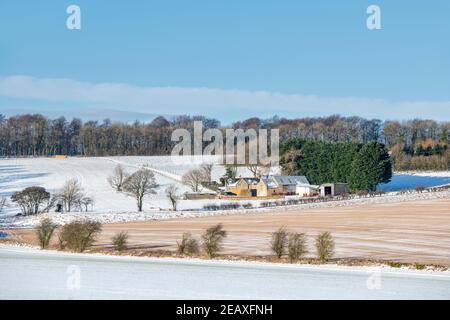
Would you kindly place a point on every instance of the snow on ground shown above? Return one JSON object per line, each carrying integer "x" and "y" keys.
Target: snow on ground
{"x": 92, "y": 173}
{"x": 114, "y": 277}
{"x": 443, "y": 174}
{"x": 111, "y": 206}
{"x": 117, "y": 217}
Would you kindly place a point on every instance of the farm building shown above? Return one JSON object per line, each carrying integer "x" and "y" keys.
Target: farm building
{"x": 289, "y": 183}
{"x": 199, "y": 195}
{"x": 333, "y": 189}
{"x": 243, "y": 187}
{"x": 266, "y": 186}
{"x": 307, "y": 190}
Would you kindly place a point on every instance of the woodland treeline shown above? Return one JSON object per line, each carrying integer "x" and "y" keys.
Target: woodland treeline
{"x": 415, "y": 144}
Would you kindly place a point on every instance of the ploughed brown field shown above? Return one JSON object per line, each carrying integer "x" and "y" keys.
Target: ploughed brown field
{"x": 414, "y": 232}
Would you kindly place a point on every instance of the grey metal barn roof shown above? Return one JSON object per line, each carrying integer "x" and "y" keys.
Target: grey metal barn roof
{"x": 290, "y": 180}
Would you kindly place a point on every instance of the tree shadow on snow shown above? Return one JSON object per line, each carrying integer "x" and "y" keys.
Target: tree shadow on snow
{"x": 14, "y": 176}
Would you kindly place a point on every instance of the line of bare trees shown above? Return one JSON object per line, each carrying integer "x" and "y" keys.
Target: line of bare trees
{"x": 37, "y": 135}
{"x": 34, "y": 200}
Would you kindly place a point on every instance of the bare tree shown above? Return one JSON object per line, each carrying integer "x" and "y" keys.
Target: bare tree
{"x": 117, "y": 179}
{"x": 140, "y": 184}
{"x": 70, "y": 194}
{"x": 206, "y": 168}
{"x": 193, "y": 179}
{"x": 173, "y": 196}
{"x": 30, "y": 199}
{"x": 3, "y": 203}
{"x": 289, "y": 161}
{"x": 85, "y": 202}
{"x": 50, "y": 203}
{"x": 254, "y": 169}
{"x": 264, "y": 170}
{"x": 259, "y": 170}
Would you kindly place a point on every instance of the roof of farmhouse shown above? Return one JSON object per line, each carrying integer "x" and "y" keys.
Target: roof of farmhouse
{"x": 273, "y": 181}
{"x": 290, "y": 180}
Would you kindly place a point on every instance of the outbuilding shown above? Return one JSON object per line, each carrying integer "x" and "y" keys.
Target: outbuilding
{"x": 307, "y": 190}
{"x": 333, "y": 189}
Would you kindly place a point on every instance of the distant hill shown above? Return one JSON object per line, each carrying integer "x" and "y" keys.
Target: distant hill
{"x": 87, "y": 114}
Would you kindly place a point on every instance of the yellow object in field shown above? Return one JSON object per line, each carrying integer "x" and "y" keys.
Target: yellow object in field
{"x": 60, "y": 156}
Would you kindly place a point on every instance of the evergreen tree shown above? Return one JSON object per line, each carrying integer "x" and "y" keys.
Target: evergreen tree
{"x": 371, "y": 166}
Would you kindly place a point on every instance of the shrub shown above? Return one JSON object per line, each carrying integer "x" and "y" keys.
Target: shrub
{"x": 247, "y": 205}
{"x": 211, "y": 207}
{"x": 395, "y": 264}
{"x": 120, "y": 241}
{"x": 419, "y": 266}
{"x": 362, "y": 193}
{"x": 296, "y": 246}
{"x": 79, "y": 235}
{"x": 324, "y": 246}
{"x": 265, "y": 204}
{"x": 229, "y": 206}
{"x": 44, "y": 232}
{"x": 420, "y": 189}
{"x": 279, "y": 240}
{"x": 187, "y": 245}
{"x": 212, "y": 240}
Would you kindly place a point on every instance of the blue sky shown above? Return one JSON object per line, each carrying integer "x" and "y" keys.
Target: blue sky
{"x": 227, "y": 58}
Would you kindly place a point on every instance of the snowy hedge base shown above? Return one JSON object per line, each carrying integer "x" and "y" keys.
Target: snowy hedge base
{"x": 63, "y": 218}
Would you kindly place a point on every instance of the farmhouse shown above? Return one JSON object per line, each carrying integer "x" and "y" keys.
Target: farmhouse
{"x": 279, "y": 185}
{"x": 267, "y": 186}
{"x": 243, "y": 187}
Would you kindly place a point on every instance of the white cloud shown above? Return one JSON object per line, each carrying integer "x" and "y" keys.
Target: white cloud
{"x": 212, "y": 102}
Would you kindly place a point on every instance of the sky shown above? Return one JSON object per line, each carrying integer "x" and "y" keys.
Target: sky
{"x": 227, "y": 59}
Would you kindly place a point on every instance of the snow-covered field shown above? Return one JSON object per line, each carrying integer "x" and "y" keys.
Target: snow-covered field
{"x": 92, "y": 173}
{"x": 33, "y": 274}
{"x": 443, "y": 174}
{"x": 111, "y": 206}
